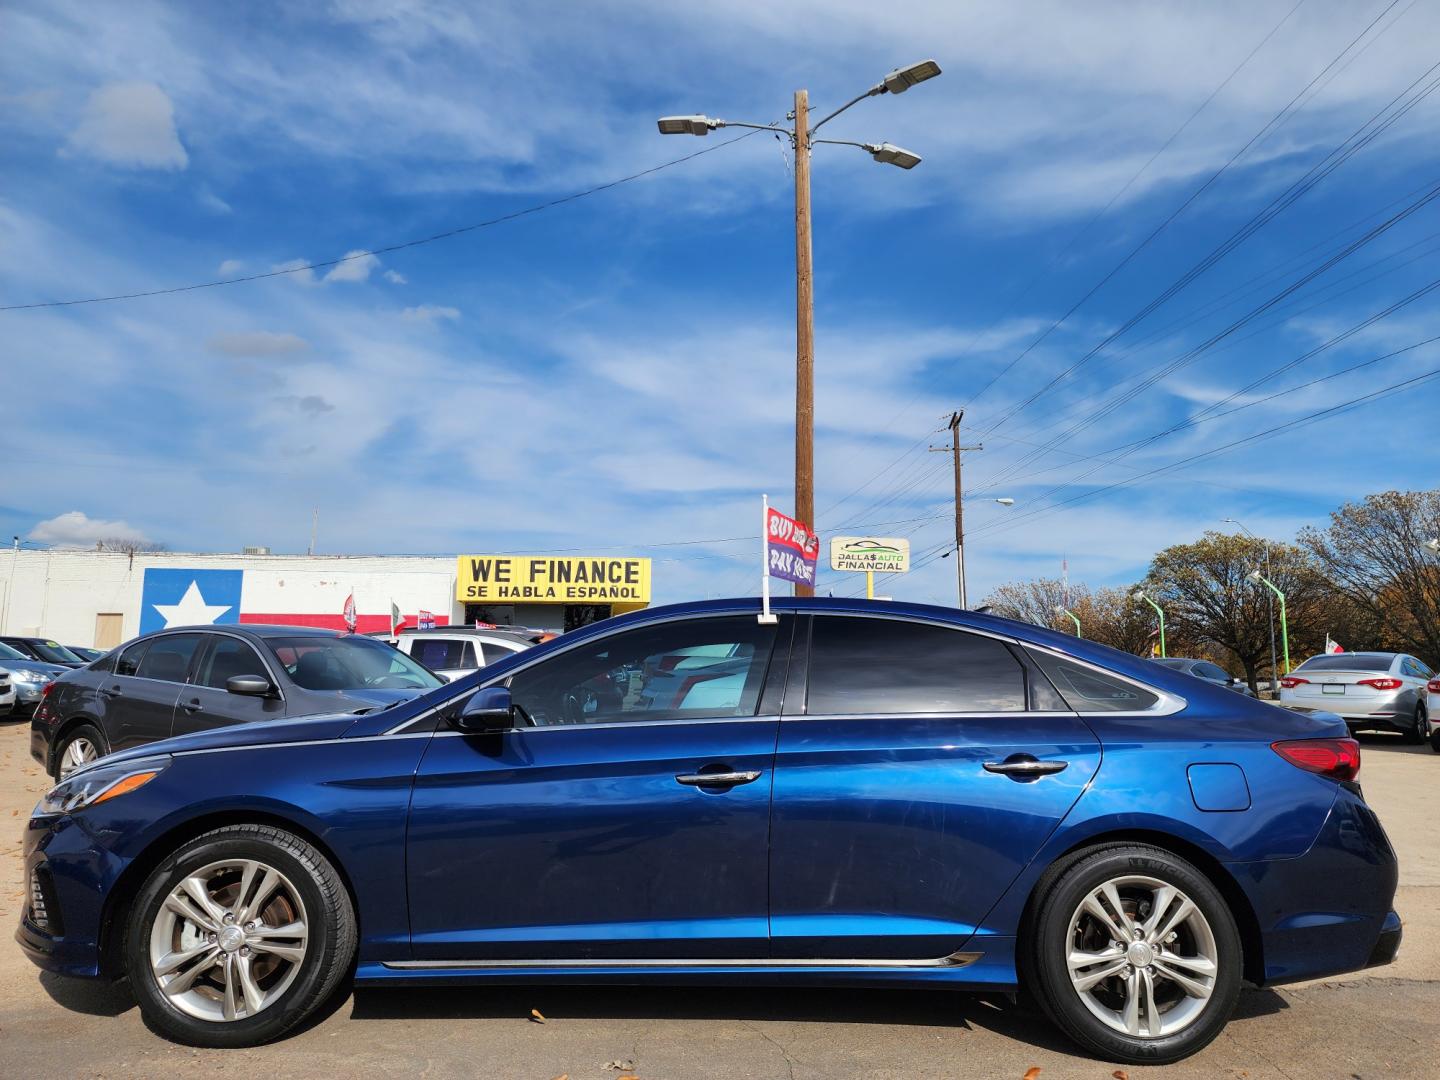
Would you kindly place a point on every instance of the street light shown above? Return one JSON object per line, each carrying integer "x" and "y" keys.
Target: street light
{"x": 1434, "y": 545}
{"x": 1062, "y": 610}
{"x": 1004, "y": 500}
{"x": 1260, "y": 579}
{"x": 1139, "y": 594}
{"x": 1269, "y": 600}
{"x": 802, "y": 140}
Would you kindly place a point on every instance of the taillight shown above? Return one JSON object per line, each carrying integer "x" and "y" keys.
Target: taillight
{"x": 1433, "y": 686}
{"x": 46, "y": 689}
{"x": 1381, "y": 684}
{"x": 1338, "y": 759}
{"x": 1289, "y": 682}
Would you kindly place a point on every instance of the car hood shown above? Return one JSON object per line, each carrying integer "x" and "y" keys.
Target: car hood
{"x": 261, "y": 732}
{"x": 52, "y": 670}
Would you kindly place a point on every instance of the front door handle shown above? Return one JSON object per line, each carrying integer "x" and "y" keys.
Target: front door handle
{"x": 1025, "y": 768}
{"x": 717, "y": 779}
{"x": 192, "y": 705}
{"x": 112, "y": 691}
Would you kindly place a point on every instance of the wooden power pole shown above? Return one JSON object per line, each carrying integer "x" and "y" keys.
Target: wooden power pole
{"x": 957, "y": 450}
{"x": 804, "y": 328}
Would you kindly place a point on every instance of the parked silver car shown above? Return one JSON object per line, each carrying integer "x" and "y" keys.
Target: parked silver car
{"x": 1373, "y": 691}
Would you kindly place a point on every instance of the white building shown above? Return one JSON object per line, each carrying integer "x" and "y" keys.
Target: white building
{"x": 96, "y": 598}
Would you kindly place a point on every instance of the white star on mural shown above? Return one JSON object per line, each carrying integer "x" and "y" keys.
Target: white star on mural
{"x": 191, "y": 610}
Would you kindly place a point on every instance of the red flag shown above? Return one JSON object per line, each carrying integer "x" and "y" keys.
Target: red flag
{"x": 350, "y": 612}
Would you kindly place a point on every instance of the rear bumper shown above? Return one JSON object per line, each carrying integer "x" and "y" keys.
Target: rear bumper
{"x": 1328, "y": 911}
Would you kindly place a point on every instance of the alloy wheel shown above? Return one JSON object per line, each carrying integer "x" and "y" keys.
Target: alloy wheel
{"x": 228, "y": 940}
{"x": 78, "y": 751}
{"x": 1142, "y": 957}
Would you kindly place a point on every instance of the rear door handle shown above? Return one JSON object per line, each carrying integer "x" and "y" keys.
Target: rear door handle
{"x": 110, "y": 691}
{"x": 717, "y": 779}
{"x": 1023, "y": 768}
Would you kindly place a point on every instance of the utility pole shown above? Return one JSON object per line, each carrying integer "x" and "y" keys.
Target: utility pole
{"x": 314, "y": 527}
{"x": 956, "y": 449}
{"x": 802, "y": 138}
{"x": 804, "y": 328}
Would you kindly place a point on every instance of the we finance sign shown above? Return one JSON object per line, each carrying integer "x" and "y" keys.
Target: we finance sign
{"x": 539, "y": 579}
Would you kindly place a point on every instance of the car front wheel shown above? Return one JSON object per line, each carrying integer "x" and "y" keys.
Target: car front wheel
{"x": 81, "y": 746}
{"x": 238, "y": 936}
{"x": 1135, "y": 955}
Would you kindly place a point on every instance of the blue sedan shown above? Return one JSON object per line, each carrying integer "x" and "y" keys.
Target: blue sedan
{"x": 855, "y": 794}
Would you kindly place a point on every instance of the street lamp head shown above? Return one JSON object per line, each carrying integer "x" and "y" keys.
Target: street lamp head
{"x": 1060, "y": 609}
{"x": 1006, "y": 501}
{"x": 1255, "y": 576}
{"x": 890, "y": 154}
{"x": 686, "y": 125}
{"x": 1434, "y": 544}
{"x": 901, "y": 79}
{"x": 1138, "y": 594}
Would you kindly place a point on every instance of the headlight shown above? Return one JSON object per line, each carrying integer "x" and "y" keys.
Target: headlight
{"x": 25, "y": 675}
{"x": 99, "y": 783}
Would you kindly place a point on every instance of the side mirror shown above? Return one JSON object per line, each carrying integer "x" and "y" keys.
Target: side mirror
{"x": 488, "y": 710}
{"x": 249, "y": 685}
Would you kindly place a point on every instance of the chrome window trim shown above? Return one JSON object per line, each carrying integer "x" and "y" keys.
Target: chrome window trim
{"x": 1166, "y": 705}
{"x": 639, "y": 625}
{"x": 953, "y": 960}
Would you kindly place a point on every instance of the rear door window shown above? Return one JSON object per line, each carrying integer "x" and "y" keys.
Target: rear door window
{"x": 862, "y": 666}
{"x": 168, "y": 658}
{"x": 441, "y": 654}
{"x": 128, "y": 662}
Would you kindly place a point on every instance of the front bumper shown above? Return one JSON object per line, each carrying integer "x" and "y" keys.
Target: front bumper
{"x": 78, "y": 873}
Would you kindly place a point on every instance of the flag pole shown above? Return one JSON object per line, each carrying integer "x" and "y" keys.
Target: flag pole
{"x": 766, "y": 618}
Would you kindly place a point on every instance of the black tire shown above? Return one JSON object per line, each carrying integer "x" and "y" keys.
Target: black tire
{"x": 87, "y": 732}
{"x": 1048, "y": 941}
{"x": 328, "y": 948}
{"x": 1418, "y": 733}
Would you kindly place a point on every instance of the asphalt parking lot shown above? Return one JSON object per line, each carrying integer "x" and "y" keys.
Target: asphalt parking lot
{"x": 1358, "y": 1027}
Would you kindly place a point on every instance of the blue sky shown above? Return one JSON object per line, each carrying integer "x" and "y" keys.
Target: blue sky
{"x": 616, "y": 374}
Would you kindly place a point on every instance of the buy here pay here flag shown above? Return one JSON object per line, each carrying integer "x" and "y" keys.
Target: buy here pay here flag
{"x": 791, "y": 549}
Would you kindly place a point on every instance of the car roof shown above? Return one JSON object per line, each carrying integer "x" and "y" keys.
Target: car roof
{"x": 264, "y": 630}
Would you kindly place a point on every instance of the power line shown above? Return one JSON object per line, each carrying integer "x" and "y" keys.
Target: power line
{"x": 389, "y": 248}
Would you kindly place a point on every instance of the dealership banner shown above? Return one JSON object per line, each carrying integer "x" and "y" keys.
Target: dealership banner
{"x": 870, "y": 554}
{"x": 791, "y": 549}
{"x": 539, "y": 579}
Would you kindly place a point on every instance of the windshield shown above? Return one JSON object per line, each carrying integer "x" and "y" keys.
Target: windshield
{"x": 7, "y": 653}
{"x": 1348, "y": 662}
{"x": 349, "y": 663}
{"x": 54, "y": 652}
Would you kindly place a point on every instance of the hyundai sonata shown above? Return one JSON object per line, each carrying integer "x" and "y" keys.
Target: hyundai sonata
{"x": 858, "y": 794}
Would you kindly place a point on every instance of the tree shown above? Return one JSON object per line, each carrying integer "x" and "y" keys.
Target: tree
{"x": 1208, "y": 598}
{"x": 1374, "y": 553}
{"x": 126, "y": 546}
{"x": 1105, "y": 615}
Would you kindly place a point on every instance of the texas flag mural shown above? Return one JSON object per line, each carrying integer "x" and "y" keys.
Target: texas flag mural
{"x": 195, "y": 597}
{"x": 189, "y": 598}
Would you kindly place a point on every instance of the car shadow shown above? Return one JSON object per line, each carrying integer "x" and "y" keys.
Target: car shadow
{"x": 1390, "y": 743}
{"x": 92, "y": 997}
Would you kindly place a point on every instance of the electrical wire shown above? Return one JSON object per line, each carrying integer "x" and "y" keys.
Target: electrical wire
{"x": 389, "y": 248}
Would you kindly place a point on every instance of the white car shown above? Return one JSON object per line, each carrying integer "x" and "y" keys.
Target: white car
{"x": 1373, "y": 691}
{"x": 453, "y": 651}
{"x": 1432, "y": 700}
{"x": 7, "y": 693}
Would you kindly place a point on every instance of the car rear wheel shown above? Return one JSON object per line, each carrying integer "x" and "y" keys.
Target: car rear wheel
{"x": 1419, "y": 730}
{"x": 238, "y": 936}
{"x": 1135, "y": 955}
{"x": 81, "y": 746}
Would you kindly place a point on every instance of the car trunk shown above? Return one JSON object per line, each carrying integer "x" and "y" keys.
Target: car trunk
{"x": 1340, "y": 688}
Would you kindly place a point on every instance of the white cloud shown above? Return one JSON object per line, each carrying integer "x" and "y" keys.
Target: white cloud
{"x": 257, "y": 343}
{"x": 77, "y": 529}
{"x": 395, "y": 277}
{"x": 230, "y": 266}
{"x": 212, "y": 202}
{"x": 131, "y": 124}
{"x": 356, "y": 267}
{"x": 427, "y": 313}
{"x": 298, "y": 271}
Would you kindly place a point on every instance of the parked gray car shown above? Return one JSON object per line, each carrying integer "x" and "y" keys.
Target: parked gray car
{"x": 189, "y": 679}
{"x": 28, "y": 677}
{"x": 1205, "y": 669}
{"x": 1373, "y": 691}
